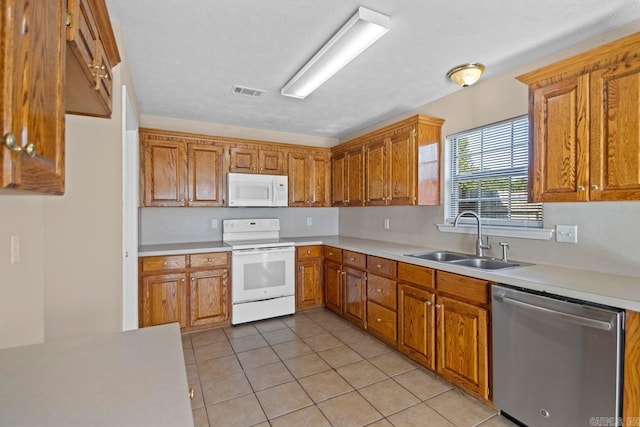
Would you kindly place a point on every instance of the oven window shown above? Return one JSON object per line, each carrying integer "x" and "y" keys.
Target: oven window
{"x": 261, "y": 275}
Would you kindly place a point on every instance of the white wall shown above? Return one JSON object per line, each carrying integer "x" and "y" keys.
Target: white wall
{"x": 607, "y": 231}
{"x": 177, "y": 225}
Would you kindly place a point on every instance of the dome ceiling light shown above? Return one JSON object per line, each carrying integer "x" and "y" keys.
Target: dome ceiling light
{"x": 466, "y": 74}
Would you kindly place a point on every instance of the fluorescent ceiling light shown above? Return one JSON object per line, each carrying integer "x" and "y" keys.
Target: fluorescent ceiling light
{"x": 364, "y": 28}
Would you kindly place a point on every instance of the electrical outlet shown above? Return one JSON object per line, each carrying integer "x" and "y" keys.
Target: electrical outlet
{"x": 386, "y": 223}
{"x": 15, "y": 249}
{"x": 567, "y": 233}
{"x": 309, "y": 220}
{"x": 214, "y": 223}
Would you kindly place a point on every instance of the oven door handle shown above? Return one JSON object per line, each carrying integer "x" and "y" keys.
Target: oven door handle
{"x": 243, "y": 252}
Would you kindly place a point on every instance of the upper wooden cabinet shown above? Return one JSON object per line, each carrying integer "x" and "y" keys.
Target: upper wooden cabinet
{"x": 32, "y": 108}
{"x": 91, "y": 54}
{"x": 180, "y": 170}
{"x": 396, "y": 165}
{"x": 584, "y": 115}
{"x": 309, "y": 178}
{"x": 255, "y": 159}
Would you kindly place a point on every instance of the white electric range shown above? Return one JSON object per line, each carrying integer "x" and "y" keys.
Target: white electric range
{"x": 262, "y": 270}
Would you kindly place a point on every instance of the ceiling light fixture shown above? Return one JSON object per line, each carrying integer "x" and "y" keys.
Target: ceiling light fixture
{"x": 364, "y": 28}
{"x": 466, "y": 74}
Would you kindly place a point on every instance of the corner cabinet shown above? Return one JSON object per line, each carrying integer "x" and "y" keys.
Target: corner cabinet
{"x": 396, "y": 165}
{"x": 91, "y": 54}
{"x": 31, "y": 59}
{"x": 584, "y": 119}
{"x": 192, "y": 290}
{"x": 180, "y": 169}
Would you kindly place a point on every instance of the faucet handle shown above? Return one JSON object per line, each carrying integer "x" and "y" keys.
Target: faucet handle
{"x": 505, "y": 249}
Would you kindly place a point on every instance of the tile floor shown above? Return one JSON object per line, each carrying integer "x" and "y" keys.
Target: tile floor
{"x": 316, "y": 369}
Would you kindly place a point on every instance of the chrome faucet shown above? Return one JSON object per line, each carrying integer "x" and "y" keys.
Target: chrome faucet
{"x": 479, "y": 245}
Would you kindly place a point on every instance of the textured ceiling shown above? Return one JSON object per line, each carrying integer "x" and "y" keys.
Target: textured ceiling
{"x": 186, "y": 55}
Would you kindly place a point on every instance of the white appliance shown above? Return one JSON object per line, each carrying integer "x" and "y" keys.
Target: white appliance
{"x": 262, "y": 270}
{"x": 255, "y": 190}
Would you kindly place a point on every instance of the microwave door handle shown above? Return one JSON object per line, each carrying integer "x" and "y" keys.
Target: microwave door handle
{"x": 273, "y": 191}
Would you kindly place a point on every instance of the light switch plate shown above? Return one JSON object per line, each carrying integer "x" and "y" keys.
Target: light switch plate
{"x": 15, "y": 249}
{"x": 386, "y": 223}
{"x": 566, "y": 233}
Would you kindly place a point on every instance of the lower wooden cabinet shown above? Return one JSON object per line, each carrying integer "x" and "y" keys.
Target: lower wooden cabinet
{"x": 209, "y": 296}
{"x": 416, "y": 319}
{"x": 381, "y": 321}
{"x": 192, "y": 290}
{"x": 333, "y": 287}
{"x": 354, "y": 295}
{"x": 163, "y": 299}
{"x": 309, "y": 277}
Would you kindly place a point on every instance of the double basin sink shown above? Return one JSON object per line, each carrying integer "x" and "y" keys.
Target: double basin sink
{"x": 467, "y": 260}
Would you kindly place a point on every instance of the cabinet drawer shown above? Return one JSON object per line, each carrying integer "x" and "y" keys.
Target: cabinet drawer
{"x": 415, "y": 274}
{"x": 159, "y": 263}
{"x": 381, "y": 266}
{"x": 303, "y": 252}
{"x": 382, "y": 321}
{"x": 469, "y": 288}
{"x": 213, "y": 259}
{"x": 354, "y": 259}
{"x": 382, "y": 290}
{"x": 334, "y": 254}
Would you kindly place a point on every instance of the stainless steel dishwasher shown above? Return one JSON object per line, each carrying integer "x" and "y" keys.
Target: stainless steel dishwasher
{"x": 556, "y": 362}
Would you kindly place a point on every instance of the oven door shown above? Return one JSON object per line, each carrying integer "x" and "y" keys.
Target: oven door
{"x": 264, "y": 273}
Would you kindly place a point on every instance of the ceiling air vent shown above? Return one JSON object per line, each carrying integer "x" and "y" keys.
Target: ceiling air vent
{"x": 247, "y": 91}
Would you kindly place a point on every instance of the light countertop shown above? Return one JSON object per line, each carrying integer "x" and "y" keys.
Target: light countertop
{"x": 134, "y": 378}
{"x": 601, "y": 288}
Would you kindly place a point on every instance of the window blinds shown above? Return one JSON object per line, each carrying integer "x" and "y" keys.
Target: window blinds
{"x": 489, "y": 174}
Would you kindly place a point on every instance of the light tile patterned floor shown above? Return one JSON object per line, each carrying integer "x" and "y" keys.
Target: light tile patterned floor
{"x": 316, "y": 369}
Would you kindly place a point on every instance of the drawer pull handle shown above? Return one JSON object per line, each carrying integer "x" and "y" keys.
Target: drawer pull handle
{"x": 192, "y": 394}
{"x": 378, "y": 319}
{"x": 378, "y": 290}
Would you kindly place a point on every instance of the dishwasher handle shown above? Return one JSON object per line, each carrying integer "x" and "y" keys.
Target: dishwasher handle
{"x": 580, "y": 320}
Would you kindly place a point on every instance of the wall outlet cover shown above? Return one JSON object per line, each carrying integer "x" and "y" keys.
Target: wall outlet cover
{"x": 214, "y": 223}
{"x": 309, "y": 220}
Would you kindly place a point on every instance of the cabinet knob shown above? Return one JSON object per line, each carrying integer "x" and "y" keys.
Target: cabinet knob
{"x": 209, "y": 259}
{"x": 182, "y": 280}
{"x": 331, "y": 253}
{"x": 379, "y": 265}
{"x": 352, "y": 259}
{"x": 379, "y": 290}
{"x": 580, "y": 188}
{"x": 378, "y": 319}
{"x": 190, "y": 200}
{"x": 164, "y": 264}
{"x": 428, "y": 303}
{"x": 594, "y": 187}
{"x": 193, "y": 278}
{"x": 343, "y": 273}
{"x": 192, "y": 394}
{"x": 301, "y": 268}
{"x": 438, "y": 305}
{"x": 308, "y": 252}
{"x": 11, "y": 142}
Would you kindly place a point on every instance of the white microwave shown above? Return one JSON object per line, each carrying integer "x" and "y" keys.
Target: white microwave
{"x": 254, "y": 190}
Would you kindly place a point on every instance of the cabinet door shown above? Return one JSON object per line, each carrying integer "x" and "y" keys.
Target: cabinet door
{"x": 298, "y": 179}
{"x": 333, "y": 287}
{"x": 104, "y": 78}
{"x": 376, "y": 173}
{"x": 355, "y": 177}
{"x": 163, "y": 300}
{"x": 309, "y": 283}
{"x": 82, "y": 35}
{"x": 463, "y": 345}
{"x": 272, "y": 162}
{"x": 320, "y": 185}
{"x": 416, "y": 323}
{"x": 165, "y": 173}
{"x": 615, "y": 132}
{"x": 338, "y": 179}
{"x": 560, "y": 140}
{"x": 354, "y": 295}
{"x": 32, "y": 107}
{"x": 402, "y": 166}
{"x": 243, "y": 159}
{"x": 204, "y": 165}
{"x": 209, "y": 296}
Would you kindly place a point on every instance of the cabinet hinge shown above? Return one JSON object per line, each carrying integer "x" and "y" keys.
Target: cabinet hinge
{"x": 69, "y": 20}
{"x": 415, "y": 133}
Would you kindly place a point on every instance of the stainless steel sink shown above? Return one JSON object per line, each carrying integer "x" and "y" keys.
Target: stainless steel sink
{"x": 485, "y": 264}
{"x": 467, "y": 260}
{"x": 442, "y": 256}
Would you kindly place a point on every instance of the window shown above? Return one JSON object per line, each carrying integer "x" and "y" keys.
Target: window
{"x": 488, "y": 174}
